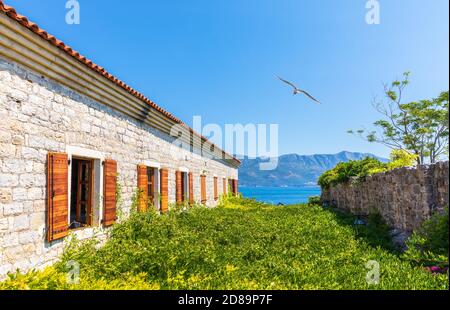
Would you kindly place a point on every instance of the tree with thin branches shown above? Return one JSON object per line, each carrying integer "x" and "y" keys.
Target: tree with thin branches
{"x": 419, "y": 127}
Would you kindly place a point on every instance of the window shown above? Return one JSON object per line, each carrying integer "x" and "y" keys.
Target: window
{"x": 74, "y": 189}
{"x": 147, "y": 180}
{"x": 185, "y": 185}
{"x": 191, "y": 188}
{"x": 151, "y": 185}
{"x": 81, "y": 192}
{"x": 233, "y": 185}
{"x": 182, "y": 189}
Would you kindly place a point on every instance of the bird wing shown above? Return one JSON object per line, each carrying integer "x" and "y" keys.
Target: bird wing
{"x": 310, "y": 96}
{"x": 287, "y": 82}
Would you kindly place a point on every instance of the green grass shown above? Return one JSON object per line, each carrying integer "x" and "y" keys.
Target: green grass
{"x": 242, "y": 245}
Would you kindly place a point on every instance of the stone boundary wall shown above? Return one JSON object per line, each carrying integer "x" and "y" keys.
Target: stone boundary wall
{"x": 404, "y": 197}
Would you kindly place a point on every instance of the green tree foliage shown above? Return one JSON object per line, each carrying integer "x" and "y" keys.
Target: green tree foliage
{"x": 358, "y": 169}
{"x": 401, "y": 158}
{"x": 419, "y": 127}
{"x": 344, "y": 172}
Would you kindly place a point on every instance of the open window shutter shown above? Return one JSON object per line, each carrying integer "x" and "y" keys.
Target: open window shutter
{"x": 57, "y": 196}
{"x": 191, "y": 188}
{"x": 224, "y": 186}
{"x": 203, "y": 188}
{"x": 109, "y": 192}
{"x": 179, "y": 187}
{"x": 216, "y": 191}
{"x": 142, "y": 179}
{"x": 164, "y": 190}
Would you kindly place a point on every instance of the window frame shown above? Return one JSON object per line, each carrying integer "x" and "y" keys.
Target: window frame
{"x": 97, "y": 159}
{"x": 156, "y": 166}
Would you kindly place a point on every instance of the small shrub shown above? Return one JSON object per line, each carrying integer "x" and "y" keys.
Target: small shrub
{"x": 314, "y": 200}
{"x": 377, "y": 232}
{"x": 429, "y": 245}
{"x": 436, "y": 231}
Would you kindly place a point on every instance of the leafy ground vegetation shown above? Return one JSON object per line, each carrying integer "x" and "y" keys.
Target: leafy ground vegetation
{"x": 240, "y": 245}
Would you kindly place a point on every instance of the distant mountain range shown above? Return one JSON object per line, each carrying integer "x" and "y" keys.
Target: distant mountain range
{"x": 294, "y": 170}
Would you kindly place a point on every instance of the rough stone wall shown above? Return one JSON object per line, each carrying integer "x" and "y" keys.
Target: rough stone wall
{"x": 38, "y": 116}
{"x": 404, "y": 197}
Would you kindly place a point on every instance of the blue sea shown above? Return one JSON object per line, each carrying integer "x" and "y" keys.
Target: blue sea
{"x": 284, "y": 195}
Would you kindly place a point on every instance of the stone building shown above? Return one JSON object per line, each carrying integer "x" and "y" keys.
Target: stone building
{"x": 74, "y": 138}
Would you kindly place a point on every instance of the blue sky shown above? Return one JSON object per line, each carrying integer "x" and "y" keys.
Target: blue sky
{"x": 217, "y": 58}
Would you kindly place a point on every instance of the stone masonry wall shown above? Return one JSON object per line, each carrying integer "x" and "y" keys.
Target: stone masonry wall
{"x": 38, "y": 116}
{"x": 404, "y": 197}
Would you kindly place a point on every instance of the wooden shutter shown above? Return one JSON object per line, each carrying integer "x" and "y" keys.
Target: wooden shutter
{"x": 216, "y": 191}
{"x": 164, "y": 190}
{"x": 191, "y": 188}
{"x": 57, "y": 196}
{"x": 235, "y": 187}
{"x": 179, "y": 187}
{"x": 142, "y": 180}
{"x": 109, "y": 192}
{"x": 224, "y": 186}
{"x": 203, "y": 188}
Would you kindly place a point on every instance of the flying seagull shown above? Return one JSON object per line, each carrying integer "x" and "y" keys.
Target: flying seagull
{"x": 298, "y": 90}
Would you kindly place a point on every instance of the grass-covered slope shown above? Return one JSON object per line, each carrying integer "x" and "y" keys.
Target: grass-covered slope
{"x": 243, "y": 245}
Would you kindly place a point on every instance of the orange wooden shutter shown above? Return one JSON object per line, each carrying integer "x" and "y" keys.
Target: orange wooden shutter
{"x": 235, "y": 187}
{"x": 224, "y": 186}
{"x": 57, "y": 196}
{"x": 203, "y": 188}
{"x": 216, "y": 191}
{"x": 164, "y": 190}
{"x": 142, "y": 180}
{"x": 179, "y": 187}
{"x": 109, "y": 192}
{"x": 191, "y": 188}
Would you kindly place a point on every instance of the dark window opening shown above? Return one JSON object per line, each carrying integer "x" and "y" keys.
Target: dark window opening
{"x": 81, "y": 193}
{"x": 151, "y": 185}
{"x": 184, "y": 191}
